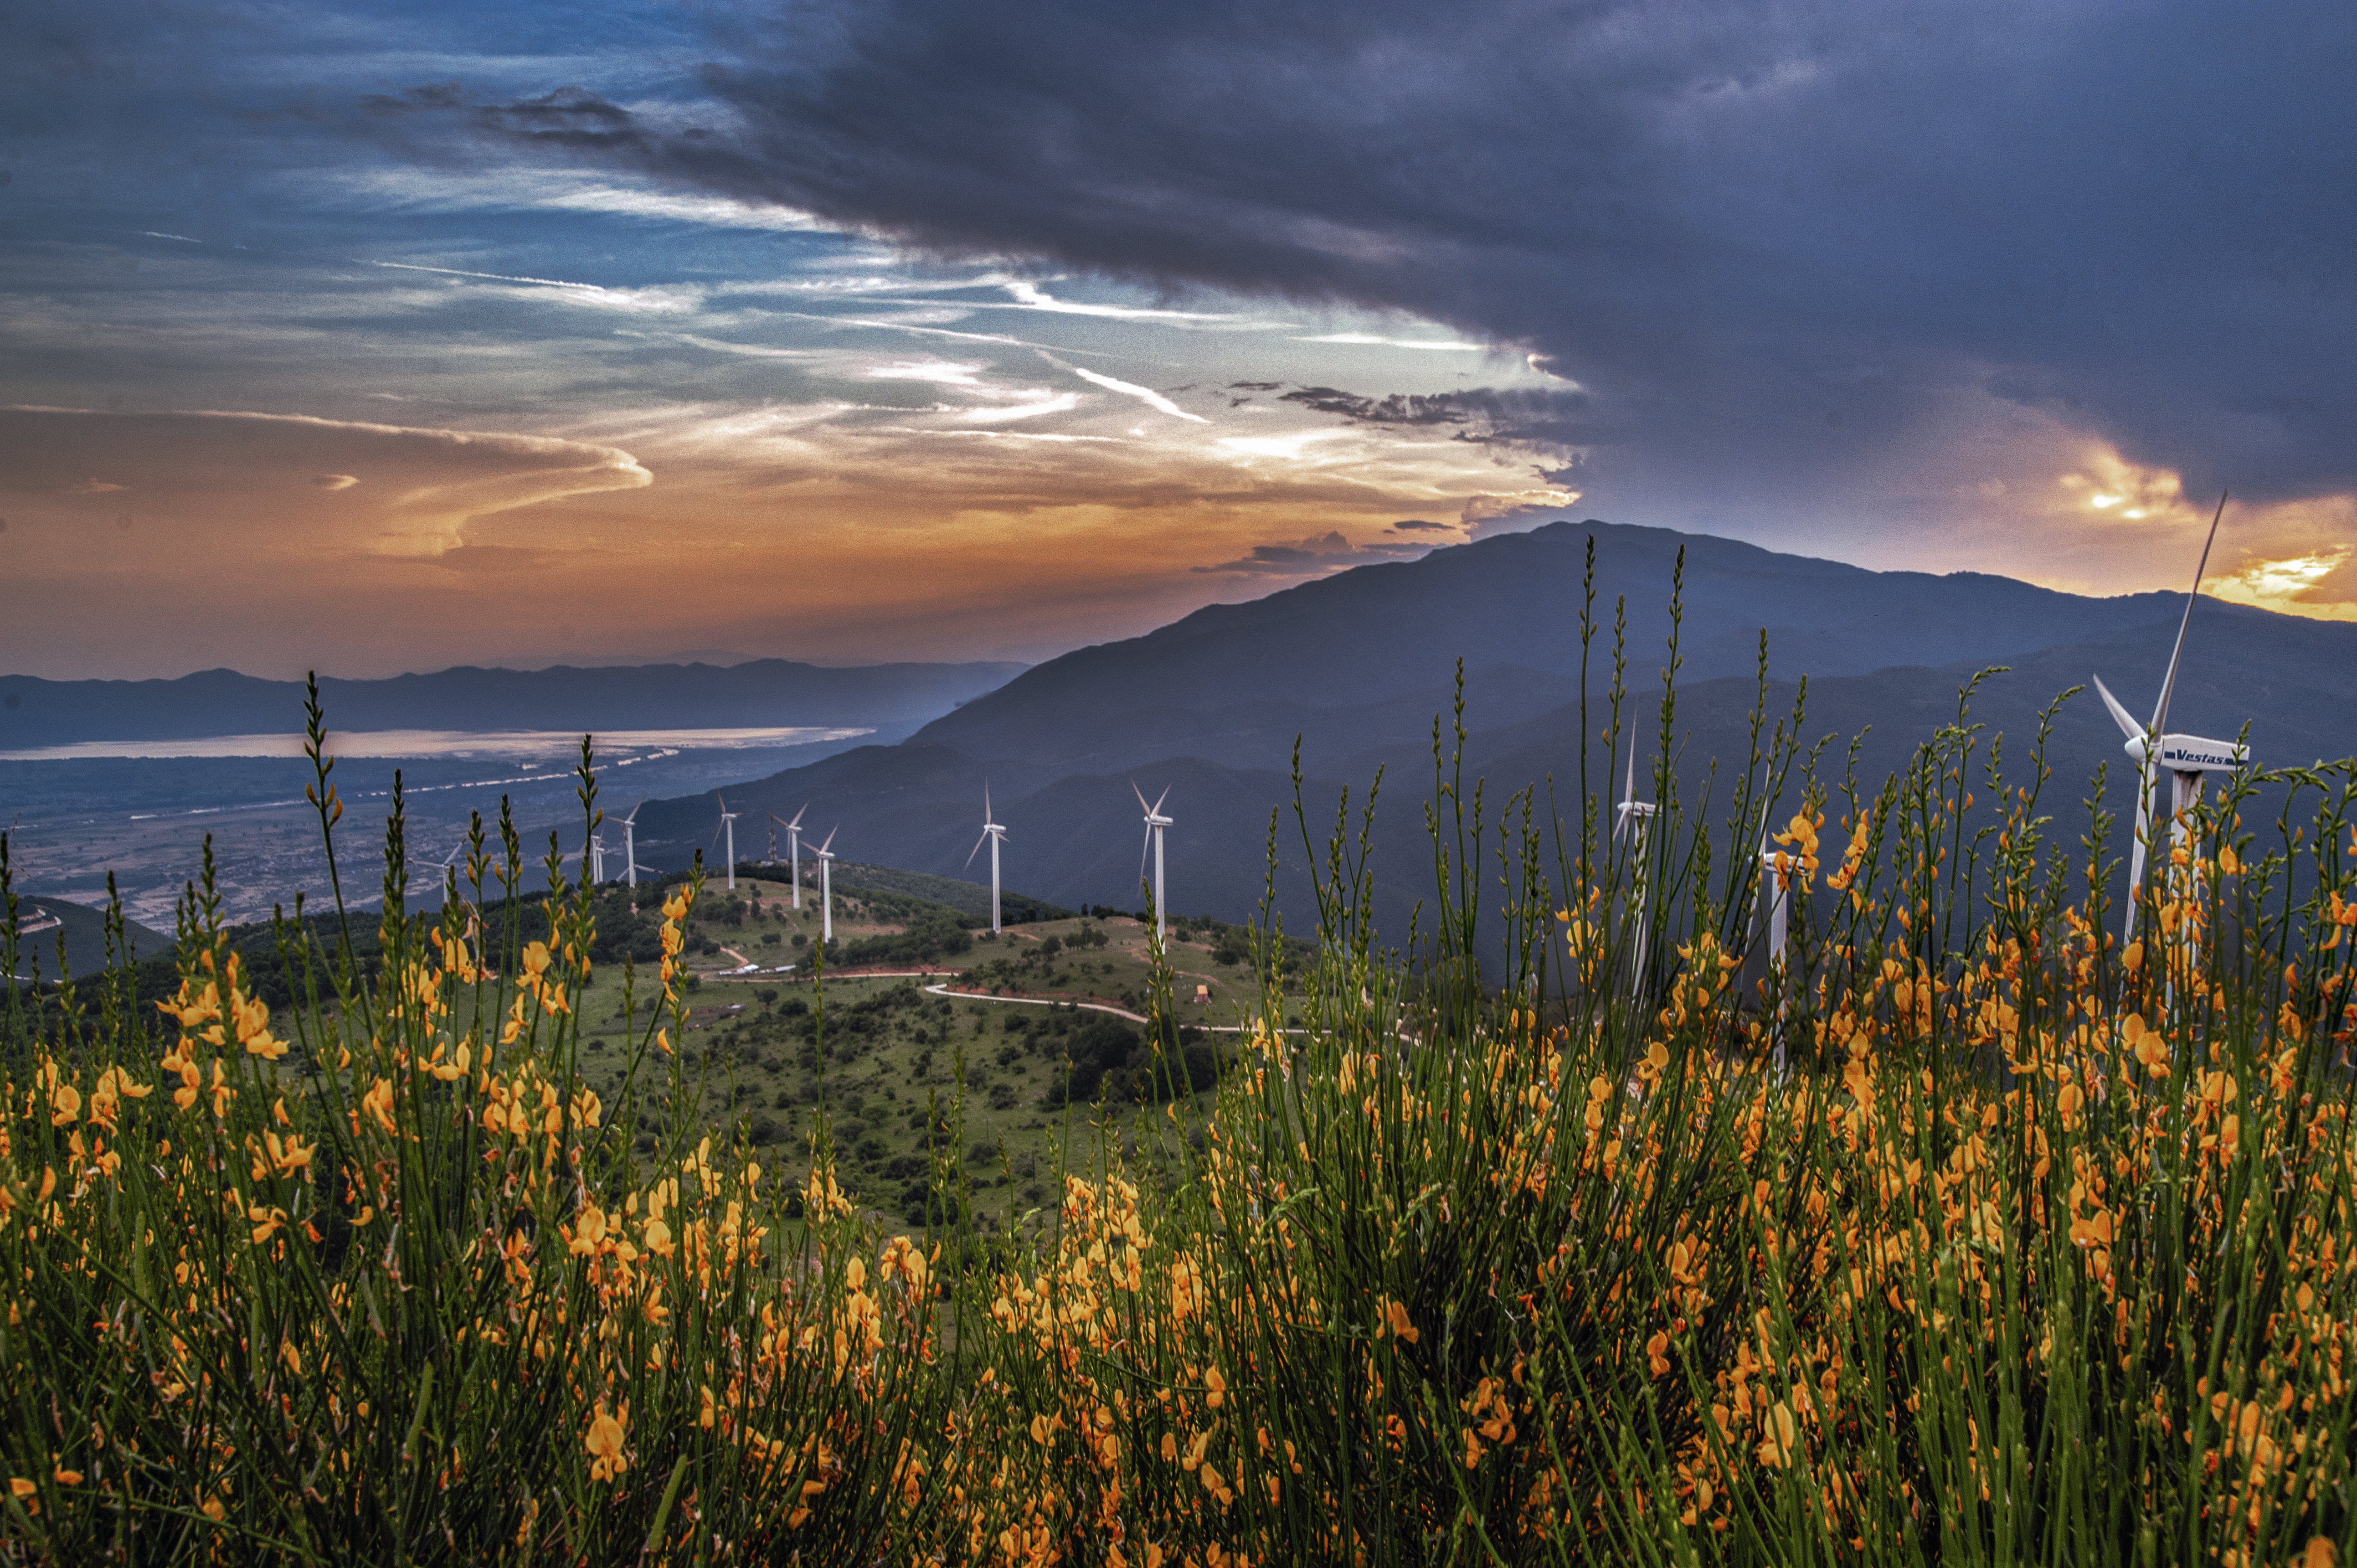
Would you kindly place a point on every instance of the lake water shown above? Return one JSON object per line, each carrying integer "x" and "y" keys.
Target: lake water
{"x": 400, "y": 743}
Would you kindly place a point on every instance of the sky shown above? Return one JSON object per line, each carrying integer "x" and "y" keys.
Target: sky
{"x": 373, "y": 338}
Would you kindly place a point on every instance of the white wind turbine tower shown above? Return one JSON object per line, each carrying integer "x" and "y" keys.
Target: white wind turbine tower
{"x": 596, "y": 860}
{"x": 1764, "y": 954}
{"x": 728, "y": 828}
{"x": 793, "y": 844}
{"x": 994, "y": 835}
{"x": 825, "y": 858}
{"x": 631, "y": 845}
{"x": 2189, "y": 758}
{"x": 1155, "y": 822}
{"x": 1633, "y": 821}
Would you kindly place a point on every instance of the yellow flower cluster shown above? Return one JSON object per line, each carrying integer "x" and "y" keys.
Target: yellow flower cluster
{"x": 1519, "y": 1278}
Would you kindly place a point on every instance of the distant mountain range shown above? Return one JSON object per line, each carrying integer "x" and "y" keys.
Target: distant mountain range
{"x": 1357, "y": 665}
{"x": 762, "y": 693}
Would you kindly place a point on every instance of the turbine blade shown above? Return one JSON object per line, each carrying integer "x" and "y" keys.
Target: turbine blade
{"x": 976, "y": 849}
{"x": 633, "y": 817}
{"x": 2169, "y": 683}
{"x": 1628, "y": 796}
{"x": 724, "y": 802}
{"x": 829, "y": 840}
{"x": 986, "y": 800}
{"x": 1142, "y": 851}
{"x": 2120, "y": 715}
{"x": 1141, "y": 797}
{"x": 1160, "y": 798}
{"x": 798, "y": 816}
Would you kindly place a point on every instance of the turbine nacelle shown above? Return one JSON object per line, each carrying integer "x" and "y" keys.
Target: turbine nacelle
{"x": 2192, "y": 754}
{"x": 2178, "y": 753}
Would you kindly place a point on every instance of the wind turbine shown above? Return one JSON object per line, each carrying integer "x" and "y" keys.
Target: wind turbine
{"x": 596, "y": 860}
{"x": 825, "y": 857}
{"x": 1633, "y": 821}
{"x": 1155, "y": 822}
{"x": 1763, "y": 955}
{"x": 728, "y": 828}
{"x": 2189, "y": 758}
{"x": 630, "y": 846}
{"x": 794, "y": 846}
{"x": 994, "y": 834}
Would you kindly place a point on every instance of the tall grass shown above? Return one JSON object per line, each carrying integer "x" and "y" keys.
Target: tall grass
{"x": 2035, "y": 1248}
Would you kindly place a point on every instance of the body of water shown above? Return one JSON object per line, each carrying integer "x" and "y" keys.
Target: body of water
{"x": 535, "y": 746}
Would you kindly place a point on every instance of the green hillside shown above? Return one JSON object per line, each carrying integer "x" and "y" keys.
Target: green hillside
{"x": 82, "y": 929}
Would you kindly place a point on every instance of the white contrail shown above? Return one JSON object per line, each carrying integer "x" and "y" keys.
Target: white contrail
{"x": 1028, "y": 296}
{"x": 1146, "y": 395}
{"x": 495, "y": 277}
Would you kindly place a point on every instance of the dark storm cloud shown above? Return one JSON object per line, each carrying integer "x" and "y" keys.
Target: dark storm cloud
{"x": 569, "y": 117}
{"x": 1528, "y": 416}
{"x": 1399, "y": 408}
{"x": 1766, "y": 238}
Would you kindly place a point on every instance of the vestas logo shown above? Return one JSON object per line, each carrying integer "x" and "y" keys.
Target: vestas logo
{"x": 2191, "y": 754}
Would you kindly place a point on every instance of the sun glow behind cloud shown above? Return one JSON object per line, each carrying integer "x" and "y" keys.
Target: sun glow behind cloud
{"x": 2287, "y": 556}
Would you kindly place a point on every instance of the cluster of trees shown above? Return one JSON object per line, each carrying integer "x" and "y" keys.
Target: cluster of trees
{"x": 1103, "y": 1058}
{"x": 933, "y": 934}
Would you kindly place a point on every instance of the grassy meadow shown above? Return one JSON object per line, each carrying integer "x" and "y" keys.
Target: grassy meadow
{"x": 1966, "y": 1234}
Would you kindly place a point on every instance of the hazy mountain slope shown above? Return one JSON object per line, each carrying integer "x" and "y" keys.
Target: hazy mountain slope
{"x": 1384, "y": 631}
{"x": 2285, "y": 676}
{"x": 1360, "y": 664}
{"x": 767, "y": 692}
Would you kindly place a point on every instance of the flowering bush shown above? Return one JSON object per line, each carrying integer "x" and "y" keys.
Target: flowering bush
{"x": 2037, "y": 1245}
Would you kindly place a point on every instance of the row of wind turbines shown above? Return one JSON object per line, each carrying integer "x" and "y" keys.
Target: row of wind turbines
{"x": 2189, "y": 758}
{"x": 994, "y": 833}
{"x": 725, "y": 834}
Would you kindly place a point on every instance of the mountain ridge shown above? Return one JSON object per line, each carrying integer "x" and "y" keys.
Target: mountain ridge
{"x": 1359, "y": 667}
{"x": 759, "y": 693}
